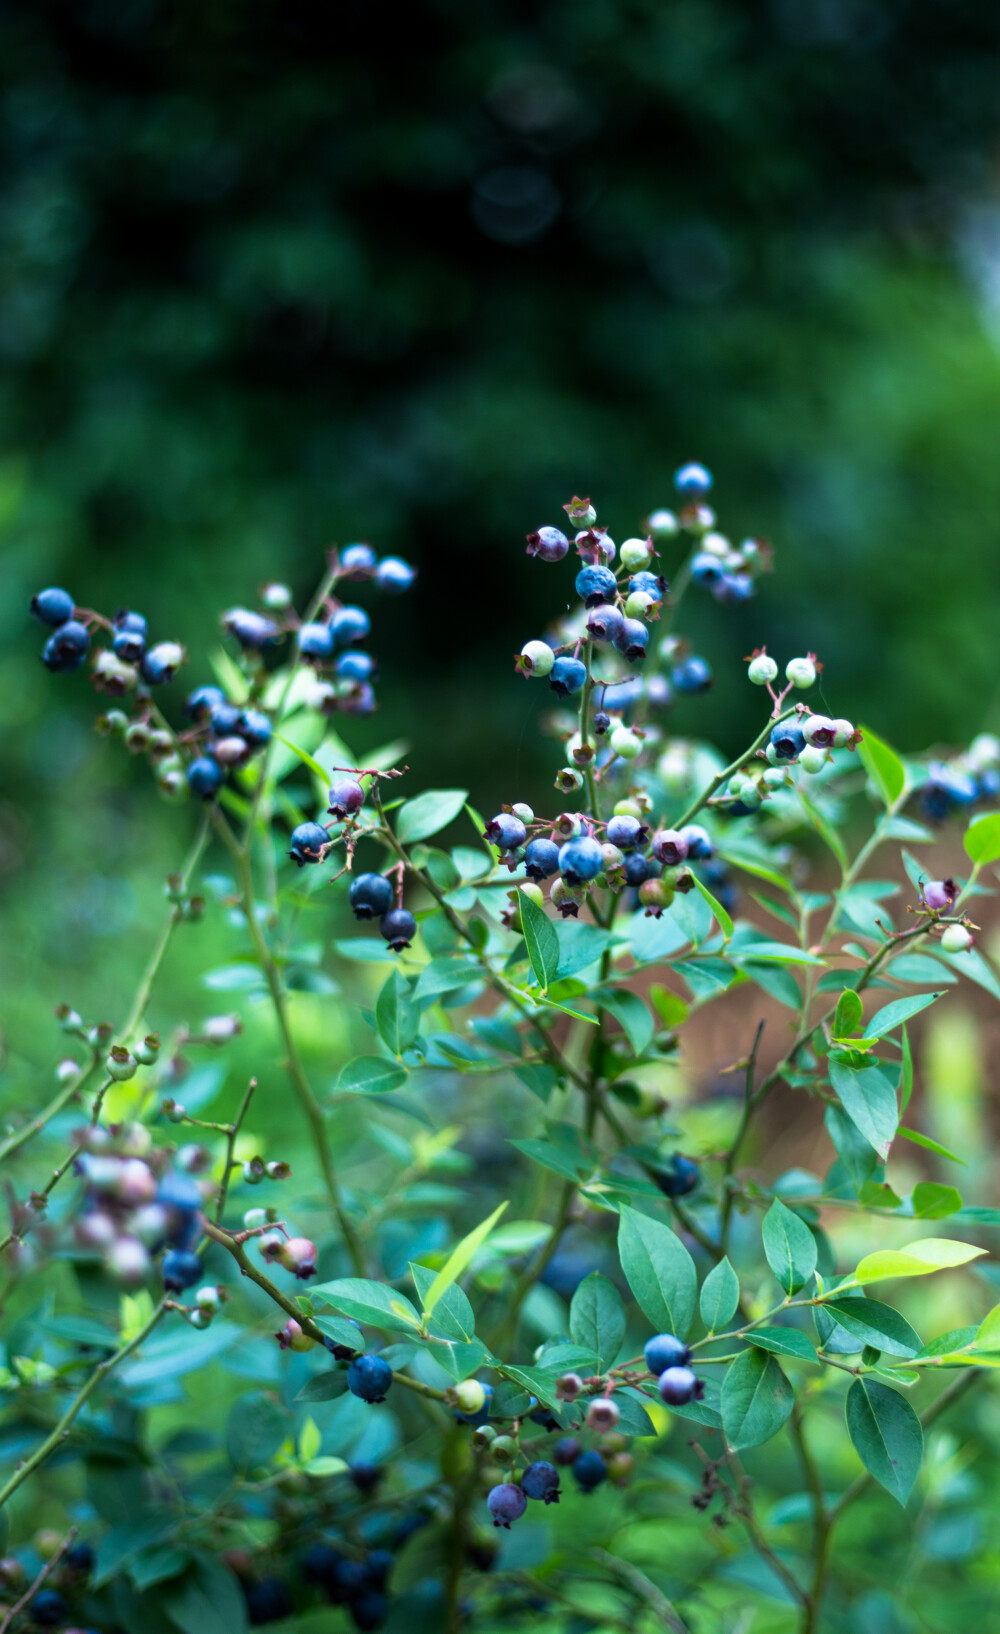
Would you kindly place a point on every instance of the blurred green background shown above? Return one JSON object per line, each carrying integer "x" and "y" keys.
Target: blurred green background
{"x": 273, "y": 275}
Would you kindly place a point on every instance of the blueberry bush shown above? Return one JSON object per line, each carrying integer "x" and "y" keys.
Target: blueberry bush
{"x": 623, "y": 1375}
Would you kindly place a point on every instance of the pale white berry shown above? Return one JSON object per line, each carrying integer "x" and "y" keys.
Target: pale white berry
{"x": 625, "y": 742}
{"x": 801, "y": 672}
{"x": 762, "y": 669}
{"x": 956, "y": 939}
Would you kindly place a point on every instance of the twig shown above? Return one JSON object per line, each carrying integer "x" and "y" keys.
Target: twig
{"x": 47, "y": 1569}
{"x": 641, "y": 1586}
{"x": 233, "y": 1131}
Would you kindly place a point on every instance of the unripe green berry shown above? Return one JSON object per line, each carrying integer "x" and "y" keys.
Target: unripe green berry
{"x": 663, "y": 524}
{"x": 175, "y": 1111}
{"x": 562, "y": 894}
{"x": 656, "y": 893}
{"x": 625, "y": 742}
{"x": 613, "y": 857}
{"x": 523, "y": 811}
{"x": 635, "y": 554}
{"x": 956, "y": 939}
{"x": 638, "y": 604}
{"x": 67, "y": 1070}
{"x": 121, "y": 1064}
{"x": 568, "y": 779}
{"x": 276, "y": 597}
{"x": 137, "y": 738}
{"x": 537, "y": 658}
{"x": 208, "y": 1297}
{"x": 114, "y": 721}
{"x": 504, "y": 1449}
{"x": 801, "y": 672}
{"x": 200, "y": 1318}
{"x": 775, "y": 777}
{"x": 483, "y": 1436}
{"x": 469, "y": 1396}
{"x": 844, "y": 732}
{"x": 762, "y": 669}
{"x": 627, "y": 808}
{"x": 255, "y": 1217}
{"x": 147, "y": 1050}
{"x": 716, "y": 544}
{"x": 812, "y": 759}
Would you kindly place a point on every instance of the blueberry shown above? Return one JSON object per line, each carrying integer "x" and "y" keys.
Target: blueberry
{"x": 347, "y": 1580}
{"x": 698, "y": 842}
{"x": 550, "y": 544}
{"x": 52, "y": 606}
{"x": 350, "y": 624}
{"x": 315, "y": 642}
{"x": 651, "y": 584}
{"x": 678, "y": 1386}
{"x": 66, "y": 650}
{"x": 365, "y": 1477}
{"x": 252, "y": 630}
{"x": 669, "y": 846}
{"x": 318, "y": 1564}
{"x": 541, "y": 1481}
{"x": 693, "y": 481}
{"x": 506, "y": 1503}
{"x": 369, "y": 1609}
{"x": 988, "y": 783}
{"x": 567, "y": 675}
{"x": 125, "y": 619}
{"x": 625, "y": 832}
{"x": 205, "y": 777}
{"x": 178, "y": 1192}
{"x": 369, "y": 1377}
{"x": 602, "y": 722}
{"x": 678, "y": 1176}
{"x": 580, "y": 860}
{"x": 663, "y": 1351}
{"x": 394, "y": 576}
{"x": 378, "y": 1565}
{"x": 357, "y": 561}
{"x": 128, "y": 645}
{"x": 589, "y": 1470}
{"x": 632, "y": 640}
{"x": 483, "y": 1413}
{"x": 308, "y": 843}
{"x": 542, "y": 1416}
{"x": 181, "y": 1269}
{"x": 223, "y": 718}
{"x": 707, "y": 570}
{"x": 788, "y": 739}
{"x": 81, "y": 1558}
{"x": 541, "y": 858}
{"x": 360, "y": 700}
{"x": 370, "y": 895}
{"x": 691, "y": 676}
{"x": 733, "y": 588}
{"x": 604, "y": 622}
{"x": 399, "y": 927}
{"x": 567, "y": 1450}
{"x": 636, "y": 868}
{"x": 198, "y": 705}
{"x": 346, "y": 797}
{"x": 48, "y": 1608}
{"x": 505, "y": 831}
{"x": 268, "y": 1601}
{"x": 255, "y": 727}
{"x": 940, "y": 894}
{"x": 161, "y": 663}
{"x": 595, "y": 585}
{"x": 355, "y": 666}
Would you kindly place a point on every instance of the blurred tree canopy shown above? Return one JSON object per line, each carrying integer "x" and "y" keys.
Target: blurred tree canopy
{"x": 276, "y": 274}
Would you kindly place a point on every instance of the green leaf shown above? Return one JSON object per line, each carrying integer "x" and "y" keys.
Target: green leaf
{"x": 931, "y": 1145}
{"x": 916, "y": 1259}
{"x": 777, "y": 953}
{"x": 370, "y": 1075}
{"x": 894, "y": 1014}
{"x": 988, "y": 1332}
{"x": 428, "y": 814}
{"x": 790, "y": 1247}
{"x": 127, "y": 1540}
{"x": 669, "y": 1006}
{"x": 751, "y": 863}
{"x": 933, "y": 1201}
{"x": 871, "y": 1322}
{"x": 459, "y": 1259}
{"x": 397, "y": 1018}
{"x": 580, "y": 945}
{"x": 541, "y": 941}
{"x": 630, "y": 1013}
{"x": 883, "y": 766}
{"x": 659, "y": 1271}
{"x": 723, "y": 918}
{"x": 858, "y": 1157}
{"x": 370, "y": 1302}
{"x": 307, "y": 759}
{"x": 869, "y": 1101}
{"x": 256, "y": 1428}
{"x": 720, "y": 1296}
{"x": 325, "y": 1386}
{"x": 906, "y": 1077}
{"x": 982, "y": 838}
{"x": 597, "y": 1319}
{"x": 886, "y": 1434}
{"x": 850, "y": 1014}
{"x": 784, "y": 1342}
{"x": 756, "y": 1399}
{"x": 824, "y": 829}
{"x": 555, "y": 1158}
{"x": 207, "y": 1602}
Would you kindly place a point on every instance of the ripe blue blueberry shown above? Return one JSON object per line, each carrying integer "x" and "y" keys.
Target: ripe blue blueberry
{"x": 48, "y": 1608}
{"x": 678, "y": 1386}
{"x": 67, "y": 649}
{"x": 370, "y": 895}
{"x": 580, "y": 860}
{"x": 698, "y": 843}
{"x": 355, "y": 666}
{"x": 632, "y": 640}
{"x": 663, "y": 1351}
{"x": 205, "y": 777}
{"x": 161, "y": 663}
{"x": 651, "y": 584}
{"x": 399, "y": 927}
{"x": 358, "y": 561}
{"x": 567, "y": 1450}
{"x": 542, "y": 1416}
{"x": 318, "y": 1563}
{"x": 604, "y": 622}
{"x": 267, "y": 1601}
{"x": 589, "y": 1470}
{"x": 378, "y": 1565}
{"x": 541, "y": 1481}
{"x": 394, "y": 576}
{"x": 198, "y": 705}
{"x": 706, "y": 569}
{"x": 693, "y": 481}
{"x": 595, "y": 585}
{"x": 80, "y": 1558}
{"x": 541, "y": 858}
{"x": 252, "y": 630}
{"x": 346, "y": 797}
{"x": 308, "y": 843}
{"x": 506, "y": 1503}
{"x": 315, "y": 642}
{"x": 128, "y": 645}
{"x": 181, "y": 1269}
{"x": 733, "y": 588}
{"x": 625, "y": 832}
{"x": 678, "y": 1176}
{"x": 369, "y": 1377}
{"x": 255, "y": 727}
{"x": 691, "y": 676}
{"x": 788, "y": 739}
{"x": 359, "y": 699}
{"x": 369, "y": 1609}
{"x": 636, "y": 868}
{"x": 505, "y": 831}
{"x": 602, "y": 723}
{"x": 567, "y": 675}
{"x": 52, "y": 606}
{"x": 350, "y": 624}
{"x": 365, "y": 1477}
{"x": 550, "y": 544}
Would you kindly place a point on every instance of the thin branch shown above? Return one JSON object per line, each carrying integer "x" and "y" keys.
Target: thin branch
{"x": 46, "y": 1571}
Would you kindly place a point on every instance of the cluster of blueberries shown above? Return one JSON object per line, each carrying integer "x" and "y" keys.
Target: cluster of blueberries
{"x": 371, "y": 896}
{"x": 130, "y": 657}
{"x": 359, "y": 1582}
{"x": 50, "y": 1607}
{"x": 953, "y": 786}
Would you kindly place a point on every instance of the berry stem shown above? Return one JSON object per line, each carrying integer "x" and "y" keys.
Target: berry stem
{"x": 232, "y": 1133}
{"x": 730, "y": 771}
{"x": 46, "y": 1571}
